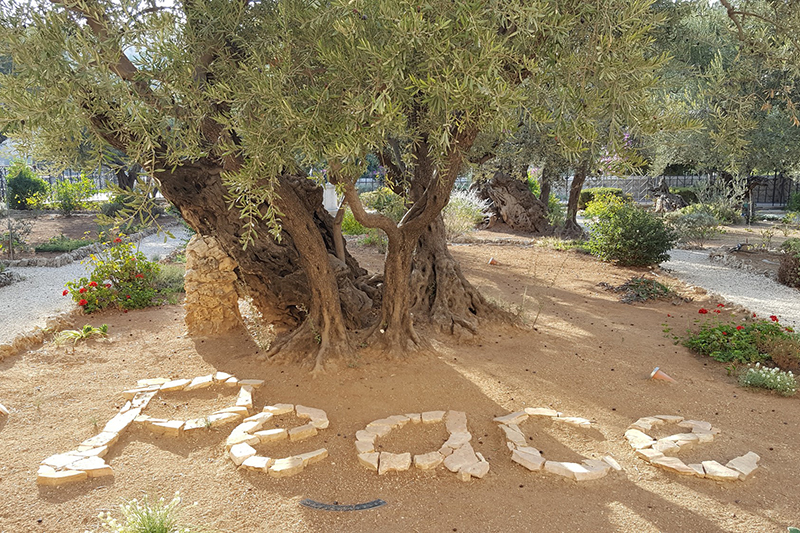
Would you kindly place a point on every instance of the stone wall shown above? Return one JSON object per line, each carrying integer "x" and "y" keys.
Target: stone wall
{"x": 212, "y": 302}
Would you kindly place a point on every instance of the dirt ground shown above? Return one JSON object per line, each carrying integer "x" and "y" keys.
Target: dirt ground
{"x": 584, "y": 353}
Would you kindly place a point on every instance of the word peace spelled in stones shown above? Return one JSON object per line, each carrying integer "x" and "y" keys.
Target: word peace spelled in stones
{"x": 456, "y": 453}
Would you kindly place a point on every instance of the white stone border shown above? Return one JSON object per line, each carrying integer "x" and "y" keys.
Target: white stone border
{"x": 531, "y": 458}
{"x": 239, "y": 443}
{"x": 86, "y": 461}
{"x": 659, "y": 452}
{"x": 456, "y": 453}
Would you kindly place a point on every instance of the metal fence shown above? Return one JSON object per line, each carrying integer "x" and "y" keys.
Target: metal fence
{"x": 769, "y": 191}
{"x": 100, "y": 177}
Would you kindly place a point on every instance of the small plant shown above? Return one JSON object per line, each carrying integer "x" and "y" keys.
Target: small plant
{"x": 23, "y": 185}
{"x": 563, "y": 244}
{"x": 748, "y": 342}
{"x": 351, "y": 226}
{"x": 464, "y": 211}
{"x": 70, "y": 197}
{"x": 375, "y": 237}
{"x": 784, "y": 383}
{"x": 75, "y": 335}
{"x": 640, "y": 289}
{"x": 146, "y": 517}
{"x": 766, "y": 238}
{"x": 62, "y": 243}
{"x": 121, "y": 277}
{"x": 627, "y": 234}
{"x": 386, "y": 202}
{"x": 592, "y": 194}
{"x": 695, "y": 227}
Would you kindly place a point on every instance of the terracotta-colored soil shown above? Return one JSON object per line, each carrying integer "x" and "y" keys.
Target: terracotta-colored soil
{"x": 584, "y": 354}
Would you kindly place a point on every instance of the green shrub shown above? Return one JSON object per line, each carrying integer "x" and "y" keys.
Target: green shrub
{"x": 723, "y": 213}
{"x": 169, "y": 279}
{"x": 791, "y": 219}
{"x": 464, "y": 211}
{"x": 687, "y": 193}
{"x": 121, "y": 277}
{"x": 739, "y": 343}
{"x": 147, "y": 517}
{"x": 589, "y": 195}
{"x": 350, "y": 225}
{"x": 627, "y": 234}
{"x": 62, "y": 243}
{"x": 783, "y": 383}
{"x": 375, "y": 237}
{"x": 794, "y": 202}
{"x": 70, "y": 197}
{"x": 25, "y": 189}
{"x": 385, "y": 202}
{"x": 694, "y": 227}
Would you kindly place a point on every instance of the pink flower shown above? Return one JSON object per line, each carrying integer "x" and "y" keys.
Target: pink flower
{"x": 703, "y": 311}
{"x": 65, "y": 292}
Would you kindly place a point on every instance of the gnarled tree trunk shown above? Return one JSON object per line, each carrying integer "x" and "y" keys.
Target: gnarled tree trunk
{"x": 571, "y": 227}
{"x": 514, "y": 204}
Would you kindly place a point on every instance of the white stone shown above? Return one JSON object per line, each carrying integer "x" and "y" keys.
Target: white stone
{"x": 514, "y": 434}
{"x": 566, "y": 469}
{"x": 595, "y": 470}
{"x": 279, "y": 409}
{"x": 319, "y": 418}
{"x": 261, "y": 417}
{"x": 649, "y": 454}
{"x": 257, "y": 463}
{"x": 703, "y": 436}
{"x": 699, "y": 471}
{"x": 533, "y": 462}
{"x": 200, "y": 382}
{"x": 369, "y": 460}
{"x": 394, "y": 462}
{"x": 55, "y": 479}
{"x": 638, "y": 440}
{"x": 60, "y": 460}
{"x": 456, "y": 422}
{"x": 302, "y": 432}
{"x": 612, "y": 463}
{"x": 245, "y": 398}
{"x": 432, "y": 417}
{"x": 238, "y": 409}
{"x": 222, "y": 376}
{"x": 3, "y": 409}
{"x": 239, "y": 438}
{"x": 744, "y": 464}
{"x": 666, "y": 447}
{"x": 101, "y": 439}
{"x": 716, "y": 471}
{"x": 232, "y": 382}
{"x": 256, "y": 383}
{"x": 478, "y": 470}
{"x": 515, "y": 418}
{"x": 100, "y": 451}
{"x": 313, "y": 457}
{"x": 175, "y": 385}
{"x": 286, "y": 467}
{"x": 121, "y": 421}
{"x": 674, "y": 464}
{"x": 575, "y": 421}
{"x": 456, "y": 440}
{"x": 221, "y": 419}
{"x": 240, "y": 452}
{"x": 248, "y": 427}
{"x": 142, "y": 399}
{"x": 428, "y": 461}
{"x": 364, "y": 446}
{"x": 670, "y": 418}
{"x": 415, "y": 418}
{"x": 93, "y": 466}
{"x": 272, "y": 435}
{"x": 541, "y": 411}
{"x": 195, "y": 424}
{"x": 171, "y": 428}
{"x": 461, "y": 458}
{"x": 692, "y": 424}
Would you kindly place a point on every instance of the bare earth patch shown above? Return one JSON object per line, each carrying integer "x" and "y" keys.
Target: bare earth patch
{"x": 587, "y": 355}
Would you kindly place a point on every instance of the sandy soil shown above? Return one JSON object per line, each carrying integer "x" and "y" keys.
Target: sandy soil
{"x": 584, "y": 354}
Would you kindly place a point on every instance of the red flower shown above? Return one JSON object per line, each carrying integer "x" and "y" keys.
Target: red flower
{"x": 773, "y": 318}
{"x": 128, "y": 296}
{"x": 703, "y": 311}
{"x": 717, "y": 311}
{"x": 83, "y": 289}
{"x": 739, "y": 328}
{"x": 65, "y": 292}
{"x": 93, "y": 284}
{"x": 724, "y": 332}
{"x": 139, "y": 275}
{"x": 720, "y": 305}
{"x": 789, "y": 329}
{"x": 669, "y": 315}
{"x": 82, "y": 302}
{"x": 108, "y": 285}
{"x": 117, "y": 240}
{"x": 754, "y": 315}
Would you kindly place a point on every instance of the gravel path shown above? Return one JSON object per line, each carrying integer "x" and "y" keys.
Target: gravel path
{"x": 755, "y": 292}
{"x": 27, "y": 304}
